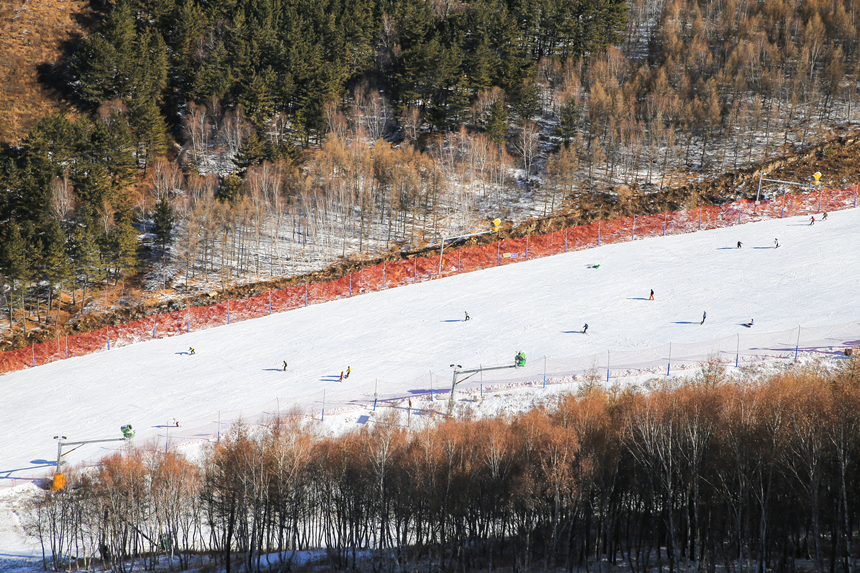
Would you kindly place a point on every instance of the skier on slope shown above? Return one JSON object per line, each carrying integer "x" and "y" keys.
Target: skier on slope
{"x": 585, "y": 328}
{"x": 467, "y": 316}
{"x": 652, "y": 295}
{"x": 285, "y": 365}
{"x": 704, "y": 316}
{"x": 824, "y": 217}
{"x": 348, "y": 370}
{"x": 740, "y": 244}
{"x": 190, "y": 350}
{"x": 775, "y": 244}
{"x": 812, "y": 220}
{"x": 341, "y": 376}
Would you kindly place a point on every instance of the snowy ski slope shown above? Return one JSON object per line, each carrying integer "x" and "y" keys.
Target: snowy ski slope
{"x": 398, "y": 335}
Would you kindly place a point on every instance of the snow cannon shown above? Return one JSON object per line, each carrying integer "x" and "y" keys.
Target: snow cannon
{"x": 59, "y": 482}
{"x": 127, "y": 431}
{"x": 520, "y": 359}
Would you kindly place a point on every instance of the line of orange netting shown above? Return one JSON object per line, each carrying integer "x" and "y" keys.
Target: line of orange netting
{"x": 393, "y": 274}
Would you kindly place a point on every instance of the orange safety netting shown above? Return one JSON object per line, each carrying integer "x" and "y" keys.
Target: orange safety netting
{"x": 399, "y": 273}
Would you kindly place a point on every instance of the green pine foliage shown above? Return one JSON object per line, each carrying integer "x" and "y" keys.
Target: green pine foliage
{"x": 164, "y": 224}
{"x": 292, "y": 56}
{"x": 230, "y": 188}
{"x": 252, "y": 152}
{"x": 568, "y": 117}
{"x": 497, "y": 122}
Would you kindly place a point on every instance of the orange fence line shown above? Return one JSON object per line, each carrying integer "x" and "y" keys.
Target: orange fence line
{"x": 420, "y": 269}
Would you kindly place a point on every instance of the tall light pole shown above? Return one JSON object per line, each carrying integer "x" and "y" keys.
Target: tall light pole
{"x": 59, "y": 478}
{"x": 458, "y": 369}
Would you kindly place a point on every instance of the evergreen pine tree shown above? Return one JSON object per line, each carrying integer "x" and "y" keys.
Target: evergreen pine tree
{"x": 230, "y": 189}
{"x": 215, "y": 76}
{"x": 497, "y": 122}
{"x": 567, "y": 118}
{"x": 149, "y": 129}
{"x": 481, "y": 64}
{"x": 55, "y": 263}
{"x": 104, "y": 61}
{"x": 123, "y": 242}
{"x": 257, "y": 99}
{"x": 86, "y": 262}
{"x": 528, "y": 100}
{"x": 14, "y": 262}
{"x": 251, "y": 152}
{"x": 163, "y": 224}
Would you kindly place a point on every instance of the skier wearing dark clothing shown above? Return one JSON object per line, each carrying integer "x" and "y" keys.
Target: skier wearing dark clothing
{"x": 285, "y": 365}
{"x": 740, "y": 244}
{"x": 704, "y": 316}
{"x": 585, "y": 328}
{"x": 775, "y": 244}
{"x": 191, "y": 350}
{"x": 812, "y": 220}
{"x": 824, "y": 217}
{"x": 652, "y": 295}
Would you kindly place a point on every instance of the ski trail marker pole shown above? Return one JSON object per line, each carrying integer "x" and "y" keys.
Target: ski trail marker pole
{"x": 738, "y": 352}
{"x": 607, "y": 366}
{"x": 797, "y": 346}
{"x": 669, "y": 365}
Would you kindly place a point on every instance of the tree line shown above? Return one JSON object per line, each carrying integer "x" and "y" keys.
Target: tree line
{"x": 748, "y": 473}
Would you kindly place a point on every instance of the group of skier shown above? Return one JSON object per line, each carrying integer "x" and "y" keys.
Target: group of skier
{"x": 775, "y": 244}
{"x": 345, "y": 374}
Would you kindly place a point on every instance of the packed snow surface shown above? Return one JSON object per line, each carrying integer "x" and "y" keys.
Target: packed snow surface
{"x": 390, "y": 339}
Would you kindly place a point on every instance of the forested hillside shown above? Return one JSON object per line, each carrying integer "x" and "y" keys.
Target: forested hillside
{"x": 241, "y": 140}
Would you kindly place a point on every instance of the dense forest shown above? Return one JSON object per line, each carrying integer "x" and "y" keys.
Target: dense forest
{"x": 755, "y": 472}
{"x": 217, "y": 142}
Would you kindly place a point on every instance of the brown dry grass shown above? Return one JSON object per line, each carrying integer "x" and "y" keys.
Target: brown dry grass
{"x": 33, "y": 34}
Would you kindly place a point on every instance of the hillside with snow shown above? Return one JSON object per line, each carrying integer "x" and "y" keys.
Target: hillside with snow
{"x": 400, "y": 343}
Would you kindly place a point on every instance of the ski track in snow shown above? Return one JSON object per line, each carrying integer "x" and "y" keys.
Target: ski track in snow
{"x": 398, "y": 335}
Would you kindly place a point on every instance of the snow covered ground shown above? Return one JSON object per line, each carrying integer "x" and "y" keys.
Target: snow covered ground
{"x": 393, "y": 340}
